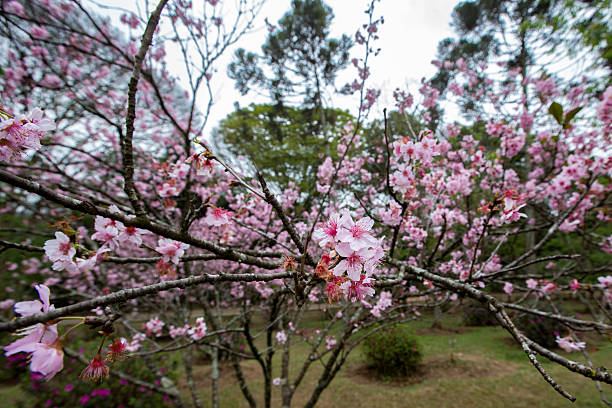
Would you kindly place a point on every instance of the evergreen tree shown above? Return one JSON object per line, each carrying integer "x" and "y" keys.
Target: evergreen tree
{"x": 298, "y": 60}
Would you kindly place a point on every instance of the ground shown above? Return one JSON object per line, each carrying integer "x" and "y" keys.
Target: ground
{"x": 475, "y": 366}
{"x": 482, "y": 369}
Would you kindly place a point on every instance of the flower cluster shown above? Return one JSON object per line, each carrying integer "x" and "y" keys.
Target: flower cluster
{"x": 171, "y": 250}
{"x": 330, "y": 342}
{"x": 359, "y": 255}
{"x": 62, "y": 251}
{"x": 281, "y": 337}
{"x": 21, "y": 132}
{"x": 154, "y": 326}
{"x": 199, "y": 330}
{"x": 604, "y": 110}
{"x": 384, "y": 301}
{"x": 546, "y": 287}
{"x": 508, "y": 205}
{"x": 179, "y": 331}
{"x": 136, "y": 342}
{"x": 113, "y": 233}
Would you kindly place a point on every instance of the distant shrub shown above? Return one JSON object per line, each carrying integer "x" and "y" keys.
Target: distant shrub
{"x": 539, "y": 329}
{"x": 393, "y": 351}
{"x": 476, "y": 314}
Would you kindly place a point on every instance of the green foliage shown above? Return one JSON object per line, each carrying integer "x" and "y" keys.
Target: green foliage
{"x": 556, "y": 110}
{"x": 293, "y": 149}
{"x": 393, "y": 351}
{"x": 594, "y": 27}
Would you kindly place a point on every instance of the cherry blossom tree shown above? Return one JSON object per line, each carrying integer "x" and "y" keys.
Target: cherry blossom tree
{"x": 99, "y": 140}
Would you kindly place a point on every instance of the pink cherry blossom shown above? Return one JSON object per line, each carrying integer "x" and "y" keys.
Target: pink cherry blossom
{"x": 47, "y": 356}
{"x": 135, "y": 344}
{"x": 130, "y": 19}
{"x": 606, "y": 283}
{"x": 605, "y": 280}
{"x": 107, "y": 231}
{"x": 171, "y": 250}
{"x": 604, "y": 110}
{"x": 569, "y": 345}
{"x": 116, "y": 351}
{"x": 179, "y": 331}
{"x": 202, "y": 165}
{"x": 28, "y": 308}
{"x": 330, "y": 342}
{"x": 353, "y": 261}
{"x": 549, "y": 287}
{"x": 384, "y": 301}
{"x": 357, "y": 234}
{"x": 39, "y": 32}
{"x": 326, "y": 235}
{"x": 218, "y": 216}
{"x": 60, "y": 249}
{"x": 281, "y": 337}
{"x": 22, "y": 132}
{"x": 15, "y": 7}
{"x": 169, "y": 189}
{"x": 332, "y": 288}
{"x": 132, "y": 234}
{"x": 154, "y": 326}
{"x": 199, "y": 330}
{"x": 508, "y": 287}
{"x": 574, "y": 285}
{"x": 96, "y": 370}
{"x": 41, "y": 340}
{"x": 512, "y": 204}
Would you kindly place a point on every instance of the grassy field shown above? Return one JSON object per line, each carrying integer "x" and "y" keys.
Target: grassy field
{"x": 483, "y": 369}
{"x": 476, "y": 366}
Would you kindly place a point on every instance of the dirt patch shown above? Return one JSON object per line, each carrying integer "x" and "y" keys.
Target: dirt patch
{"x": 441, "y": 331}
{"x": 437, "y": 367}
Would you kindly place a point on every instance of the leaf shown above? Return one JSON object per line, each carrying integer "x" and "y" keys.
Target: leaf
{"x": 556, "y": 110}
{"x": 569, "y": 116}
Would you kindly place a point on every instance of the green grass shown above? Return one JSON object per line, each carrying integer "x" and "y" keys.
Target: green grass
{"x": 497, "y": 373}
{"x": 489, "y": 371}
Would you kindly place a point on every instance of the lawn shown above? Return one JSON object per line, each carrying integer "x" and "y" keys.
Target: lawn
{"x": 476, "y": 366}
{"x": 464, "y": 366}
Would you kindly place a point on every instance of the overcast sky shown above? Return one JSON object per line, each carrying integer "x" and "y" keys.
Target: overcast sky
{"x": 408, "y": 39}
